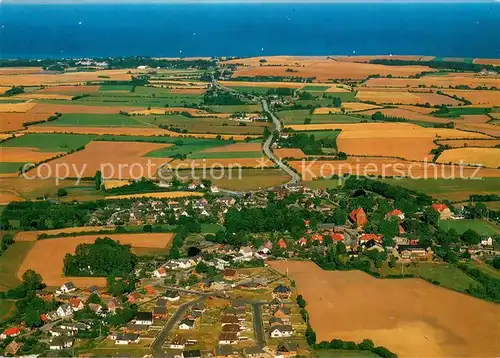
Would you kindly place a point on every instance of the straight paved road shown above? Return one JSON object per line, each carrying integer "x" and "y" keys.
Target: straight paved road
{"x": 258, "y": 327}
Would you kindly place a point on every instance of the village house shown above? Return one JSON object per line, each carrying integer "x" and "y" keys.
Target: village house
{"x": 65, "y": 311}
{"x": 410, "y": 252}
{"x": 396, "y": 213}
{"x": 96, "y": 308}
{"x": 238, "y": 304}
{"x": 159, "y": 312}
{"x": 254, "y": 352}
{"x": 363, "y": 239}
{"x": 230, "y": 274}
{"x": 228, "y": 338}
{"x": 358, "y": 217}
{"x": 443, "y": 210}
{"x": 282, "y": 292}
{"x": 281, "y": 331}
{"x": 127, "y": 338}
{"x": 113, "y": 305}
{"x": 195, "y": 353}
{"x": 487, "y": 242}
{"x": 275, "y": 321}
{"x": 285, "y": 350}
{"x": 282, "y": 312}
{"x": 44, "y": 295}
{"x": 143, "y": 318}
{"x": 76, "y": 304}
{"x": 172, "y": 295}
{"x": 187, "y": 324}
{"x": 10, "y": 332}
{"x": 60, "y": 332}
{"x": 134, "y": 297}
{"x": 199, "y": 307}
{"x": 282, "y": 244}
{"x": 225, "y": 351}
{"x": 60, "y": 343}
{"x": 229, "y": 319}
{"x": 178, "y": 343}
{"x": 13, "y": 347}
{"x": 227, "y": 200}
{"x": 66, "y": 288}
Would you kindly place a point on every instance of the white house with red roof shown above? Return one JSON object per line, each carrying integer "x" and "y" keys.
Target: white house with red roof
{"x": 282, "y": 244}
{"x": 396, "y": 213}
{"x": 367, "y": 237}
{"x": 10, "y": 332}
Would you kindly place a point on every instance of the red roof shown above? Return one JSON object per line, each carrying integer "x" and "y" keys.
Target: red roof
{"x": 75, "y": 302}
{"x": 150, "y": 290}
{"x": 368, "y": 237}
{"x": 337, "y": 237}
{"x": 358, "y": 216}
{"x": 439, "y": 207}
{"x": 11, "y": 331}
{"x": 317, "y": 237}
{"x": 401, "y": 229}
{"x": 43, "y": 317}
{"x": 395, "y": 212}
{"x": 302, "y": 241}
{"x": 282, "y": 244}
{"x": 307, "y": 222}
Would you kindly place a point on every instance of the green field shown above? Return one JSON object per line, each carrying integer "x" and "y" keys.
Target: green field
{"x": 50, "y": 142}
{"x": 481, "y": 227}
{"x": 226, "y": 155}
{"x": 447, "y": 275}
{"x": 5, "y": 307}
{"x": 323, "y": 134}
{"x": 250, "y": 89}
{"x": 294, "y": 116}
{"x": 315, "y": 88}
{"x": 95, "y": 120}
{"x": 455, "y": 189}
{"x": 336, "y": 118}
{"x": 458, "y": 111}
{"x": 6, "y": 168}
{"x": 10, "y": 261}
{"x": 186, "y": 146}
{"x": 246, "y": 108}
{"x": 111, "y": 88}
{"x": 326, "y": 99}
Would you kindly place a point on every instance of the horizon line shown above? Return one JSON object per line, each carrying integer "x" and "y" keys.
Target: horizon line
{"x": 261, "y": 2}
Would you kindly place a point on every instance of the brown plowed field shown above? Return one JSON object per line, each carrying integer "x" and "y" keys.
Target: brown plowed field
{"x": 7, "y": 196}
{"x": 109, "y": 157}
{"x": 405, "y": 97}
{"x": 188, "y": 90}
{"x": 23, "y": 154}
{"x": 412, "y": 318}
{"x": 236, "y": 147}
{"x": 33, "y": 235}
{"x": 16, "y": 107}
{"x": 488, "y": 61}
{"x": 407, "y": 114}
{"x": 289, "y": 153}
{"x": 54, "y": 251}
{"x": 19, "y": 70}
{"x": 439, "y": 81}
{"x": 36, "y": 95}
{"x": 386, "y": 167}
{"x": 487, "y": 98}
{"x": 262, "y": 84}
{"x": 168, "y": 194}
{"x": 14, "y": 121}
{"x": 221, "y": 163}
{"x": 40, "y": 79}
{"x": 76, "y": 108}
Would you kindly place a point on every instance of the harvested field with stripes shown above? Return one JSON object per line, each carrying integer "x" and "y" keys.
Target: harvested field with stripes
{"x": 405, "y": 97}
{"x": 16, "y": 107}
{"x": 24, "y": 155}
{"x": 488, "y": 157}
{"x": 438, "y": 81}
{"x": 460, "y": 143}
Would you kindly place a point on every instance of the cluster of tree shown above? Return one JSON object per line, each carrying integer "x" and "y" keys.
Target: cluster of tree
{"x": 216, "y": 97}
{"x": 281, "y": 91}
{"x": 44, "y": 215}
{"x": 488, "y": 287}
{"x": 439, "y": 150}
{"x": 484, "y": 197}
{"x": 13, "y": 91}
{"x": 308, "y": 143}
{"x": 178, "y": 241}
{"x": 141, "y": 186}
{"x": 379, "y": 116}
{"x": 133, "y": 62}
{"x": 104, "y": 257}
{"x": 6, "y": 240}
{"x": 441, "y": 65}
{"x": 365, "y": 345}
{"x": 80, "y": 96}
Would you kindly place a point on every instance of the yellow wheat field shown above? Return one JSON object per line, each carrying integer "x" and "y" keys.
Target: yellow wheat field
{"x": 488, "y": 157}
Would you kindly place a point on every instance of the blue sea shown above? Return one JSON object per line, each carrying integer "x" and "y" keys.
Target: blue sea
{"x": 64, "y": 31}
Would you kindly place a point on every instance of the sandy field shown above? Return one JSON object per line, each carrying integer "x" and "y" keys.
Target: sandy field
{"x": 320, "y": 67}
{"x": 14, "y": 121}
{"x": 70, "y": 77}
{"x": 54, "y": 251}
{"x": 475, "y": 118}
{"x": 491, "y": 130}
{"x": 143, "y": 131}
{"x": 33, "y": 235}
{"x": 236, "y": 147}
{"x": 438, "y": 81}
{"x": 116, "y": 160}
{"x": 326, "y": 110}
{"x": 405, "y": 97}
{"x": 356, "y": 106}
{"x": 170, "y": 194}
{"x": 75, "y": 90}
{"x": 289, "y": 153}
{"x": 36, "y": 95}
{"x": 411, "y": 317}
{"x": 418, "y": 109}
{"x": 489, "y": 157}
{"x": 24, "y": 154}
{"x": 19, "y": 70}
{"x": 460, "y": 143}
{"x": 487, "y": 98}
{"x": 387, "y": 167}
{"x": 110, "y": 184}
{"x": 407, "y": 114}
{"x": 487, "y": 61}
{"x": 16, "y": 107}
{"x": 6, "y": 196}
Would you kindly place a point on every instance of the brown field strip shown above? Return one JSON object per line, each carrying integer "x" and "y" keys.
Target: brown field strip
{"x": 16, "y": 107}
{"x": 6, "y": 196}
{"x": 475, "y": 118}
{"x": 460, "y": 143}
{"x": 487, "y": 98}
{"x": 54, "y": 251}
{"x": 188, "y": 90}
{"x": 110, "y": 183}
{"x": 438, "y": 81}
{"x": 326, "y": 110}
{"x": 234, "y": 163}
{"x": 40, "y": 79}
{"x": 262, "y": 84}
{"x": 33, "y": 235}
{"x": 418, "y": 109}
{"x": 109, "y": 157}
{"x": 289, "y": 153}
{"x": 36, "y": 95}
{"x": 405, "y": 97}
{"x": 489, "y": 157}
{"x": 321, "y": 68}
{"x": 487, "y": 61}
{"x": 69, "y": 89}
{"x": 485, "y": 128}
{"x": 378, "y": 57}
{"x": 19, "y": 70}
{"x": 14, "y": 121}
{"x": 24, "y": 154}
{"x": 163, "y": 195}
{"x": 407, "y": 114}
{"x": 386, "y": 167}
{"x": 356, "y": 106}
{"x": 412, "y": 318}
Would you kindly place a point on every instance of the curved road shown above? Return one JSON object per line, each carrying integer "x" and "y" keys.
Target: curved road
{"x": 269, "y": 141}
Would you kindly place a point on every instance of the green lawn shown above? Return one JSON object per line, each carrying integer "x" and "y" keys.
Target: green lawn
{"x": 323, "y": 134}
{"x": 458, "y": 111}
{"x": 226, "y": 155}
{"x": 50, "y": 142}
{"x": 250, "y": 89}
{"x": 187, "y": 146}
{"x": 95, "y": 120}
{"x": 447, "y": 275}
{"x": 111, "y": 88}
{"x": 315, "y": 88}
{"x": 480, "y": 226}
{"x": 294, "y": 116}
{"x": 10, "y": 261}
{"x": 6, "y": 168}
